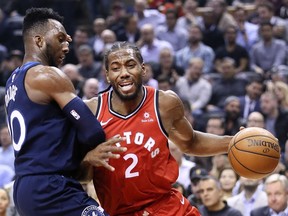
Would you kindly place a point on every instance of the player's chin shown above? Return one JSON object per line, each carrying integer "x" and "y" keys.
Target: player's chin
{"x": 127, "y": 96}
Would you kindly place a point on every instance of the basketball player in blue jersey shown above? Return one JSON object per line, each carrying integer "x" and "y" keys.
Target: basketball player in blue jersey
{"x": 51, "y": 128}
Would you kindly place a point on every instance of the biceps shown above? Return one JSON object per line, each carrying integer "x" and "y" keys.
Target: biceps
{"x": 181, "y": 132}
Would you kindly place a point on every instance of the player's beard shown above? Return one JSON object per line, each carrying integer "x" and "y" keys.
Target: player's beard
{"x": 131, "y": 96}
{"x": 50, "y": 56}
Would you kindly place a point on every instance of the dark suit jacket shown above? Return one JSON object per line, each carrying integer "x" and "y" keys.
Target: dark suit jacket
{"x": 242, "y": 105}
{"x": 262, "y": 211}
{"x": 122, "y": 36}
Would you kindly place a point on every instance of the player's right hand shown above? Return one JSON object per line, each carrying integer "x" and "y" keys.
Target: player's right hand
{"x": 100, "y": 155}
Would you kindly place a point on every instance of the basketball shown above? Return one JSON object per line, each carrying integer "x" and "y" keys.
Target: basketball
{"x": 254, "y": 152}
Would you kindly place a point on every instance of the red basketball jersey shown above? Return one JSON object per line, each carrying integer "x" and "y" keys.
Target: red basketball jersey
{"x": 145, "y": 172}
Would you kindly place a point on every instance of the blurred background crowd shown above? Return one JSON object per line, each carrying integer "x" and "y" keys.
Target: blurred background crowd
{"x": 226, "y": 59}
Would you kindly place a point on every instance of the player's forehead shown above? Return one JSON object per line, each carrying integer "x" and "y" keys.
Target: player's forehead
{"x": 56, "y": 27}
{"x": 122, "y": 56}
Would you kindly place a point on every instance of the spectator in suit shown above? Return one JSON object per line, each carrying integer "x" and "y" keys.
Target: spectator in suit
{"x": 250, "y": 102}
{"x": 130, "y": 32}
{"x": 276, "y": 188}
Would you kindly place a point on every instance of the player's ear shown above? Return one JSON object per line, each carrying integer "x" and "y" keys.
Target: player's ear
{"x": 39, "y": 40}
{"x": 143, "y": 68}
{"x": 107, "y": 77}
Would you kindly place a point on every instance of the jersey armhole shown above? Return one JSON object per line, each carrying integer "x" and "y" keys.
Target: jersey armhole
{"x": 98, "y": 106}
{"x": 158, "y": 113}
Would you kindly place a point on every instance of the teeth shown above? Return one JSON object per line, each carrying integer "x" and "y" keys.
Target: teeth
{"x": 126, "y": 84}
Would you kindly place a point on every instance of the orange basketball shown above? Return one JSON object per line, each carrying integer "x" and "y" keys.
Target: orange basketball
{"x": 254, "y": 152}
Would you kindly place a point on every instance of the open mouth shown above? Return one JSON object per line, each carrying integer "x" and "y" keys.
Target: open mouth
{"x": 126, "y": 86}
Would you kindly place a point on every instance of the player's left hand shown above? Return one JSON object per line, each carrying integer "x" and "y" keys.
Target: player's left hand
{"x": 100, "y": 155}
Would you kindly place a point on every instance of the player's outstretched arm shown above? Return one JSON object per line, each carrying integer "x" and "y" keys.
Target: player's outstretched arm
{"x": 181, "y": 132}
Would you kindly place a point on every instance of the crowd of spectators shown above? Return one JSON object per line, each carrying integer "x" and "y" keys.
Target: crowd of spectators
{"x": 226, "y": 59}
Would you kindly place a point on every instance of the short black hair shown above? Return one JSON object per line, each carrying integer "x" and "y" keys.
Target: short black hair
{"x": 122, "y": 45}
{"x": 38, "y": 17}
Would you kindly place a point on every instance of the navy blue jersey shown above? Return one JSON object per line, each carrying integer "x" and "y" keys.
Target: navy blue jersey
{"x": 43, "y": 138}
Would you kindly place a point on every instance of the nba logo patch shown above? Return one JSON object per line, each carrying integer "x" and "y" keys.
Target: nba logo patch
{"x": 93, "y": 210}
{"x": 75, "y": 114}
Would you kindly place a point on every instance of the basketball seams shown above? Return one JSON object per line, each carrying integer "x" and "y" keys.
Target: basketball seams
{"x": 257, "y": 172}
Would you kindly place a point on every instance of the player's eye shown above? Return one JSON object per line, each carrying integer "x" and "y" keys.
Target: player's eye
{"x": 131, "y": 65}
{"x": 115, "y": 69}
{"x": 61, "y": 39}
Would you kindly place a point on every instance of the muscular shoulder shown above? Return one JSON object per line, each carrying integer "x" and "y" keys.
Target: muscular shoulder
{"x": 44, "y": 84}
{"x": 170, "y": 105}
{"x": 47, "y": 78}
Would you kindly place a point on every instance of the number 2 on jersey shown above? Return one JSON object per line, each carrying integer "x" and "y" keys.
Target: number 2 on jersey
{"x": 128, "y": 172}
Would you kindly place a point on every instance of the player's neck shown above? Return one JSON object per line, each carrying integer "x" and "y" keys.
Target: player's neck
{"x": 33, "y": 58}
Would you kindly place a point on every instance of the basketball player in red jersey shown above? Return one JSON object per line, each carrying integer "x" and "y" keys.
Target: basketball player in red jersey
{"x": 147, "y": 118}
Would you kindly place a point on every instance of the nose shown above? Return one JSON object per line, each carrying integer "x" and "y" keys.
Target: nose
{"x": 66, "y": 47}
{"x": 124, "y": 72}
